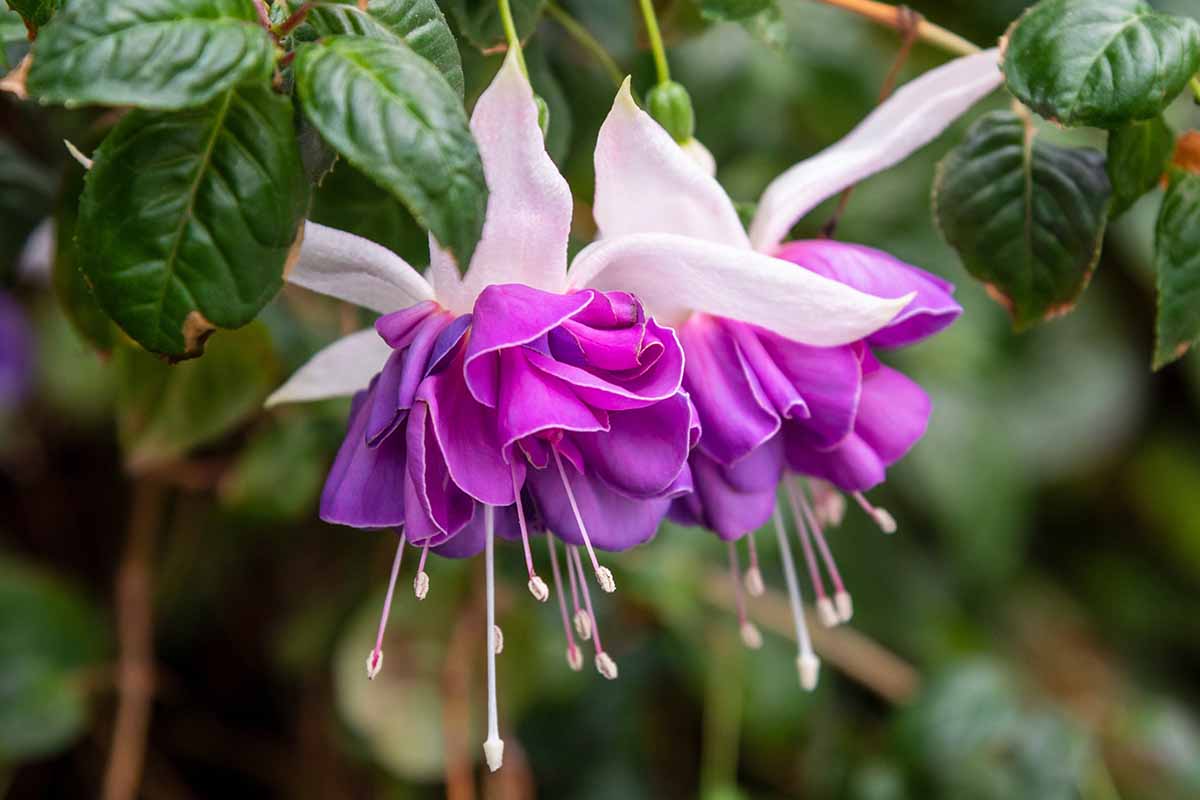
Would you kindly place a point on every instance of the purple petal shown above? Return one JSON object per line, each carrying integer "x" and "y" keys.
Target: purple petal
{"x": 399, "y": 327}
{"x": 469, "y": 541}
{"x": 893, "y": 414}
{"x": 439, "y": 498}
{"x": 365, "y": 487}
{"x": 882, "y": 275}
{"x": 643, "y": 451}
{"x": 531, "y": 401}
{"x": 731, "y": 501}
{"x": 16, "y": 353}
{"x": 852, "y": 466}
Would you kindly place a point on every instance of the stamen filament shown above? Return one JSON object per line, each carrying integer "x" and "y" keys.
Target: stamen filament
{"x": 493, "y": 747}
{"x": 421, "y": 581}
{"x": 537, "y": 586}
{"x": 825, "y": 608}
{"x": 749, "y": 632}
{"x": 375, "y": 659}
{"x": 574, "y": 657}
{"x": 604, "y": 662}
{"x": 806, "y": 660}
{"x": 582, "y": 622}
{"x": 604, "y": 575}
{"x": 845, "y": 608}
{"x": 885, "y": 521}
{"x": 754, "y": 579}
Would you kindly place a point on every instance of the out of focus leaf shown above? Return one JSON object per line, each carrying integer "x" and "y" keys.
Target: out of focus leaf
{"x": 166, "y": 411}
{"x": 1026, "y": 217}
{"x": 50, "y": 637}
{"x": 159, "y": 54}
{"x": 188, "y": 218}
{"x": 733, "y": 9}
{"x": 350, "y": 201}
{"x": 368, "y": 97}
{"x": 26, "y": 196}
{"x": 1100, "y": 62}
{"x": 299, "y": 449}
{"x": 479, "y": 20}
{"x": 1177, "y": 262}
{"x": 74, "y": 294}
{"x": 1137, "y": 157}
{"x": 418, "y": 22}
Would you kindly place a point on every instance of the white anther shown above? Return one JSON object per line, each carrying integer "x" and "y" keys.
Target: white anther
{"x": 499, "y": 640}
{"x": 604, "y": 577}
{"x": 574, "y": 658}
{"x": 808, "y": 666}
{"x": 751, "y": 636}
{"x": 754, "y": 582}
{"x": 828, "y": 503}
{"x": 583, "y": 624}
{"x": 493, "y": 751}
{"x": 374, "y": 664}
{"x": 827, "y": 613}
{"x": 606, "y": 666}
{"x": 421, "y": 585}
{"x": 845, "y": 606}
{"x": 885, "y": 521}
{"x": 539, "y": 589}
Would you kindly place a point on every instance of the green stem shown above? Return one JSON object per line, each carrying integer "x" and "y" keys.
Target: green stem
{"x": 1195, "y": 84}
{"x": 656, "y": 43}
{"x": 580, "y": 34}
{"x": 510, "y": 34}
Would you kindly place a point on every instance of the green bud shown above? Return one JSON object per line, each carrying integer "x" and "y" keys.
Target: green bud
{"x": 543, "y": 114}
{"x": 670, "y": 104}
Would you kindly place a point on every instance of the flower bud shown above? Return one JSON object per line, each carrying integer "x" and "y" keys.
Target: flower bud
{"x": 543, "y": 114}
{"x": 670, "y": 104}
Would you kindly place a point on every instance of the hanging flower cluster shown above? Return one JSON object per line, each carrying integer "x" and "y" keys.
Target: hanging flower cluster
{"x": 679, "y": 365}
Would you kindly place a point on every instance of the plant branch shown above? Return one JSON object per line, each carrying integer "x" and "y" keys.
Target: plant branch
{"x": 510, "y": 34}
{"x": 135, "y": 634}
{"x": 585, "y": 39}
{"x": 892, "y": 16}
{"x": 656, "y": 42}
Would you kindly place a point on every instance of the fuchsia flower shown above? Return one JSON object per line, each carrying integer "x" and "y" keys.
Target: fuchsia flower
{"x": 769, "y": 402}
{"x": 512, "y": 393}
{"x": 16, "y": 354}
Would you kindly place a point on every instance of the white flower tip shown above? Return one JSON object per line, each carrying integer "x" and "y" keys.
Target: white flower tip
{"x": 624, "y": 100}
{"x": 374, "y": 664}
{"x": 827, "y": 612}
{"x": 845, "y": 606}
{"x": 583, "y": 624}
{"x": 604, "y": 577}
{"x": 809, "y": 667}
{"x": 421, "y": 585}
{"x": 606, "y": 666}
{"x": 574, "y": 658}
{"x": 751, "y": 637}
{"x": 539, "y": 589}
{"x": 78, "y": 155}
{"x": 754, "y": 582}
{"x": 499, "y": 639}
{"x": 885, "y": 521}
{"x": 493, "y": 753}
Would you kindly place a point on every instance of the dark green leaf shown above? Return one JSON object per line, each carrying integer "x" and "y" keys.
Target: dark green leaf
{"x": 161, "y": 54}
{"x": 164, "y": 412}
{"x": 392, "y": 115}
{"x": 26, "y": 196}
{"x": 188, "y": 218}
{"x": 1027, "y": 218}
{"x": 1100, "y": 62}
{"x": 74, "y": 294}
{"x": 418, "y": 22}
{"x": 1137, "y": 157}
{"x": 50, "y": 638}
{"x": 36, "y": 12}
{"x": 479, "y": 21}
{"x": 733, "y": 9}
{"x": 349, "y": 201}
{"x": 1177, "y": 262}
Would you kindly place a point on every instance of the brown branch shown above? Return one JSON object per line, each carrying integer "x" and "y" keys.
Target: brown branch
{"x": 891, "y": 16}
{"x": 135, "y": 634}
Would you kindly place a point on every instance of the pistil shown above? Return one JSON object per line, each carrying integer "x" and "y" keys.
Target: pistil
{"x": 806, "y": 660}
{"x": 493, "y": 746}
{"x": 375, "y": 659}
{"x": 604, "y": 575}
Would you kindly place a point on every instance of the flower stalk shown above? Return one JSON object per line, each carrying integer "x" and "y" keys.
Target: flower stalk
{"x": 656, "y": 43}
{"x": 894, "y": 16}
{"x": 510, "y": 34}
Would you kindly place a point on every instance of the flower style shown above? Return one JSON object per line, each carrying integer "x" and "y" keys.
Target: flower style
{"x": 768, "y": 400}
{"x": 511, "y": 394}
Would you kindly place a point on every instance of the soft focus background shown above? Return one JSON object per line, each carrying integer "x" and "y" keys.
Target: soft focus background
{"x": 1032, "y": 630}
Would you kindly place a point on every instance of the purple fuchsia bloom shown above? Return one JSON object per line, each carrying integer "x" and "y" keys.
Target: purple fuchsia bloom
{"x": 16, "y": 354}
{"x": 521, "y": 391}
{"x": 770, "y": 401}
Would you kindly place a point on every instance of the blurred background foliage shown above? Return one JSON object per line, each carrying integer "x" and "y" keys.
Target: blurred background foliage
{"x": 1031, "y": 632}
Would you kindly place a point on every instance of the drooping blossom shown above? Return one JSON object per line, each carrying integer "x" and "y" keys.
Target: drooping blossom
{"x": 507, "y": 394}
{"x": 768, "y": 402}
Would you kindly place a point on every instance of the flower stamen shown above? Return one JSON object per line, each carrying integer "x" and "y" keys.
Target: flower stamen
{"x": 604, "y": 575}
{"x": 580, "y": 619}
{"x": 493, "y": 746}
{"x": 604, "y": 662}
{"x": 885, "y": 521}
{"x": 574, "y": 657}
{"x": 421, "y": 581}
{"x": 537, "y": 586}
{"x": 806, "y": 660}
{"x": 754, "y": 579}
{"x": 825, "y": 608}
{"x": 375, "y": 659}
{"x": 841, "y": 597}
{"x": 749, "y": 631}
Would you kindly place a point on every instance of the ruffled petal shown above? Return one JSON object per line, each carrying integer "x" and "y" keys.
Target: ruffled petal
{"x": 529, "y": 203}
{"x": 470, "y": 541}
{"x": 365, "y": 486}
{"x": 852, "y": 466}
{"x": 905, "y": 122}
{"x": 882, "y": 275}
{"x": 532, "y": 401}
{"x": 340, "y": 370}
{"x": 643, "y": 451}
{"x": 356, "y": 270}
{"x": 677, "y": 275}
{"x": 893, "y": 414}
{"x": 733, "y": 500}
{"x": 646, "y": 183}
{"x": 436, "y": 495}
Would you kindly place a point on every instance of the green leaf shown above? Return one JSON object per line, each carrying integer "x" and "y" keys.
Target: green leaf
{"x": 1027, "y": 218}
{"x": 1100, "y": 62}
{"x": 164, "y": 412}
{"x": 418, "y": 22}
{"x": 35, "y": 12}
{"x": 733, "y": 9}
{"x": 1137, "y": 156}
{"x": 26, "y": 196}
{"x": 160, "y": 54}
{"x": 50, "y": 638}
{"x": 1177, "y": 262}
{"x": 188, "y": 218}
{"x": 350, "y": 201}
{"x": 479, "y": 20}
{"x": 70, "y": 285}
{"x": 392, "y": 115}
